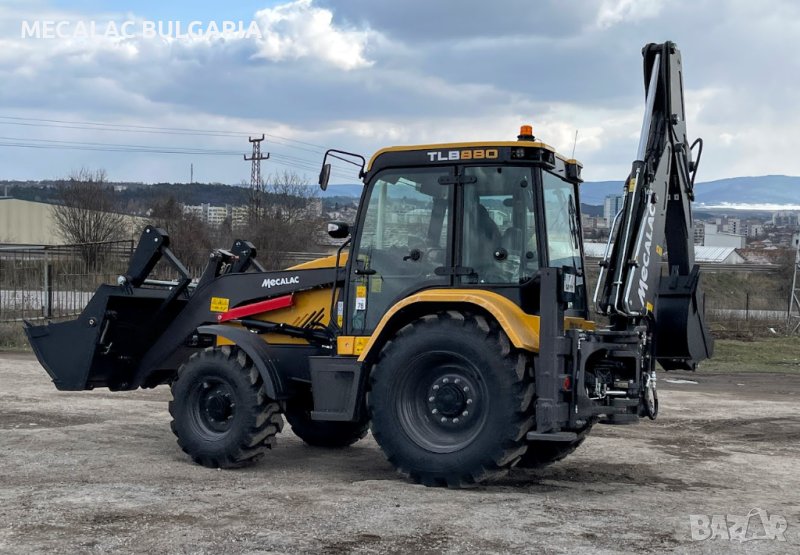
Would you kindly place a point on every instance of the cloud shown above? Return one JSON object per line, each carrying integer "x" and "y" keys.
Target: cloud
{"x": 613, "y": 12}
{"x": 360, "y": 74}
{"x": 300, "y": 29}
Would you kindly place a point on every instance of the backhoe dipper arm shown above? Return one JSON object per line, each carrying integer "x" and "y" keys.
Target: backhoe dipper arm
{"x": 656, "y": 220}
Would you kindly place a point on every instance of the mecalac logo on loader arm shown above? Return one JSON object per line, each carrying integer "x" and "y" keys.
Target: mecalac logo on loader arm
{"x": 273, "y": 282}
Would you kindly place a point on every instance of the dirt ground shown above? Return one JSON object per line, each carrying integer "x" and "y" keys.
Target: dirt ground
{"x": 100, "y": 472}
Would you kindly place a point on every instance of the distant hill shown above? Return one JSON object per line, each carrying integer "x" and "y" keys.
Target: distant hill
{"x": 593, "y": 192}
{"x": 765, "y": 189}
{"x": 342, "y": 191}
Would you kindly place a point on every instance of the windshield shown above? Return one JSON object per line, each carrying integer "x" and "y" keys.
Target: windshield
{"x": 563, "y": 231}
{"x": 404, "y": 239}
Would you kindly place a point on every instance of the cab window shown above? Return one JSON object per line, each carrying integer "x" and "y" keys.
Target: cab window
{"x": 404, "y": 239}
{"x": 499, "y": 225}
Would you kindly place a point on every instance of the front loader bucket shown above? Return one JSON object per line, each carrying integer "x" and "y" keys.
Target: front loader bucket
{"x": 66, "y": 349}
{"x": 682, "y": 337}
{"x": 103, "y": 346}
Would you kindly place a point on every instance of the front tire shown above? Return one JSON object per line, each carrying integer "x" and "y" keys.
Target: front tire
{"x": 220, "y": 411}
{"x": 450, "y": 400}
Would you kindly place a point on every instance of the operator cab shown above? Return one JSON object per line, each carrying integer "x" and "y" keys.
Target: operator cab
{"x": 466, "y": 215}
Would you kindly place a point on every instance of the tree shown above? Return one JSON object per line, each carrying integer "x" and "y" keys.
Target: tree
{"x": 189, "y": 236}
{"x": 288, "y": 221}
{"x": 87, "y": 212}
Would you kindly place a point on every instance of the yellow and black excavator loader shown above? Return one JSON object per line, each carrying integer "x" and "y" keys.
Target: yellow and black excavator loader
{"x": 454, "y": 320}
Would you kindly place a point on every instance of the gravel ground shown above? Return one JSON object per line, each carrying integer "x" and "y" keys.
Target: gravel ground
{"x": 100, "y": 472}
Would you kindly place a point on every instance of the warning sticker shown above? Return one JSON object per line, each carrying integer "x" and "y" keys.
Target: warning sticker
{"x": 376, "y": 283}
{"x": 220, "y": 304}
{"x": 569, "y": 283}
{"x": 361, "y": 297}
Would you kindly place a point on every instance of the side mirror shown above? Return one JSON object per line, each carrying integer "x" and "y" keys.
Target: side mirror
{"x": 324, "y": 176}
{"x": 338, "y": 230}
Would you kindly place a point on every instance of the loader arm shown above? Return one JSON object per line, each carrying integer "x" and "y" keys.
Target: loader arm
{"x": 656, "y": 223}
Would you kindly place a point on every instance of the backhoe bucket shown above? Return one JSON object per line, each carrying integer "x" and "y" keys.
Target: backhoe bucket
{"x": 682, "y": 337}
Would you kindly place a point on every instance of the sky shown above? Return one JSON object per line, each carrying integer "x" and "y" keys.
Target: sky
{"x": 360, "y": 75}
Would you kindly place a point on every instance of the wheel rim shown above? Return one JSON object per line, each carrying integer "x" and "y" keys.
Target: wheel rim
{"x": 441, "y": 402}
{"x": 213, "y": 405}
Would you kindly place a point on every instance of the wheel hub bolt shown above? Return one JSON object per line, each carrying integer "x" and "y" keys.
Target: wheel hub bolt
{"x": 434, "y": 411}
{"x": 465, "y": 413}
{"x": 469, "y": 401}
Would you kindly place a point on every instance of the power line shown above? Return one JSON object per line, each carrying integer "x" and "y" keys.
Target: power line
{"x": 194, "y": 150}
{"x": 181, "y": 131}
{"x": 111, "y": 148}
{"x": 288, "y": 160}
{"x": 133, "y": 128}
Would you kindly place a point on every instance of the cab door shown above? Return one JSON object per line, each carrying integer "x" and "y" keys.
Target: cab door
{"x": 403, "y": 237}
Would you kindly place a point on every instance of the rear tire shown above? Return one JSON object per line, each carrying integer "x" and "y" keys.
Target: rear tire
{"x": 450, "y": 399}
{"x": 220, "y": 411}
{"x": 320, "y": 433}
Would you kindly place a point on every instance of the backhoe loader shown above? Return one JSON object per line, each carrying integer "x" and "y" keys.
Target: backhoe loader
{"x": 454, "y": 321}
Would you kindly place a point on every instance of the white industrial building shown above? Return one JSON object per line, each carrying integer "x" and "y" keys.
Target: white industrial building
{"x": 217, "y": 215}
{"x": 611, "y": 205}
{"x": 720, "y": 239}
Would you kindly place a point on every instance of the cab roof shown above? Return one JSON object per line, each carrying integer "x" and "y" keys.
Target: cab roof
{"x": 501, "y": 152}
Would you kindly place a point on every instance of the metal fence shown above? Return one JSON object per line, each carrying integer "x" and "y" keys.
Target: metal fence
{"x": 38, "y": 282}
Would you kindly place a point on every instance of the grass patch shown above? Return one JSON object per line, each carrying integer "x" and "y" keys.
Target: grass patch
{"x": 12, "y": 337}
{"x": 778, "y": 354}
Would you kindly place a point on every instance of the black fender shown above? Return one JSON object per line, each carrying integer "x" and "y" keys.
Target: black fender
{"x": 259, "y": 352}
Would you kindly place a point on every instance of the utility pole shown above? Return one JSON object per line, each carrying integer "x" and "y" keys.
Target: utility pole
{"x": 256, "y": 185}
{"x": 191, "y": 174}
{"x": 793, "y": 314}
